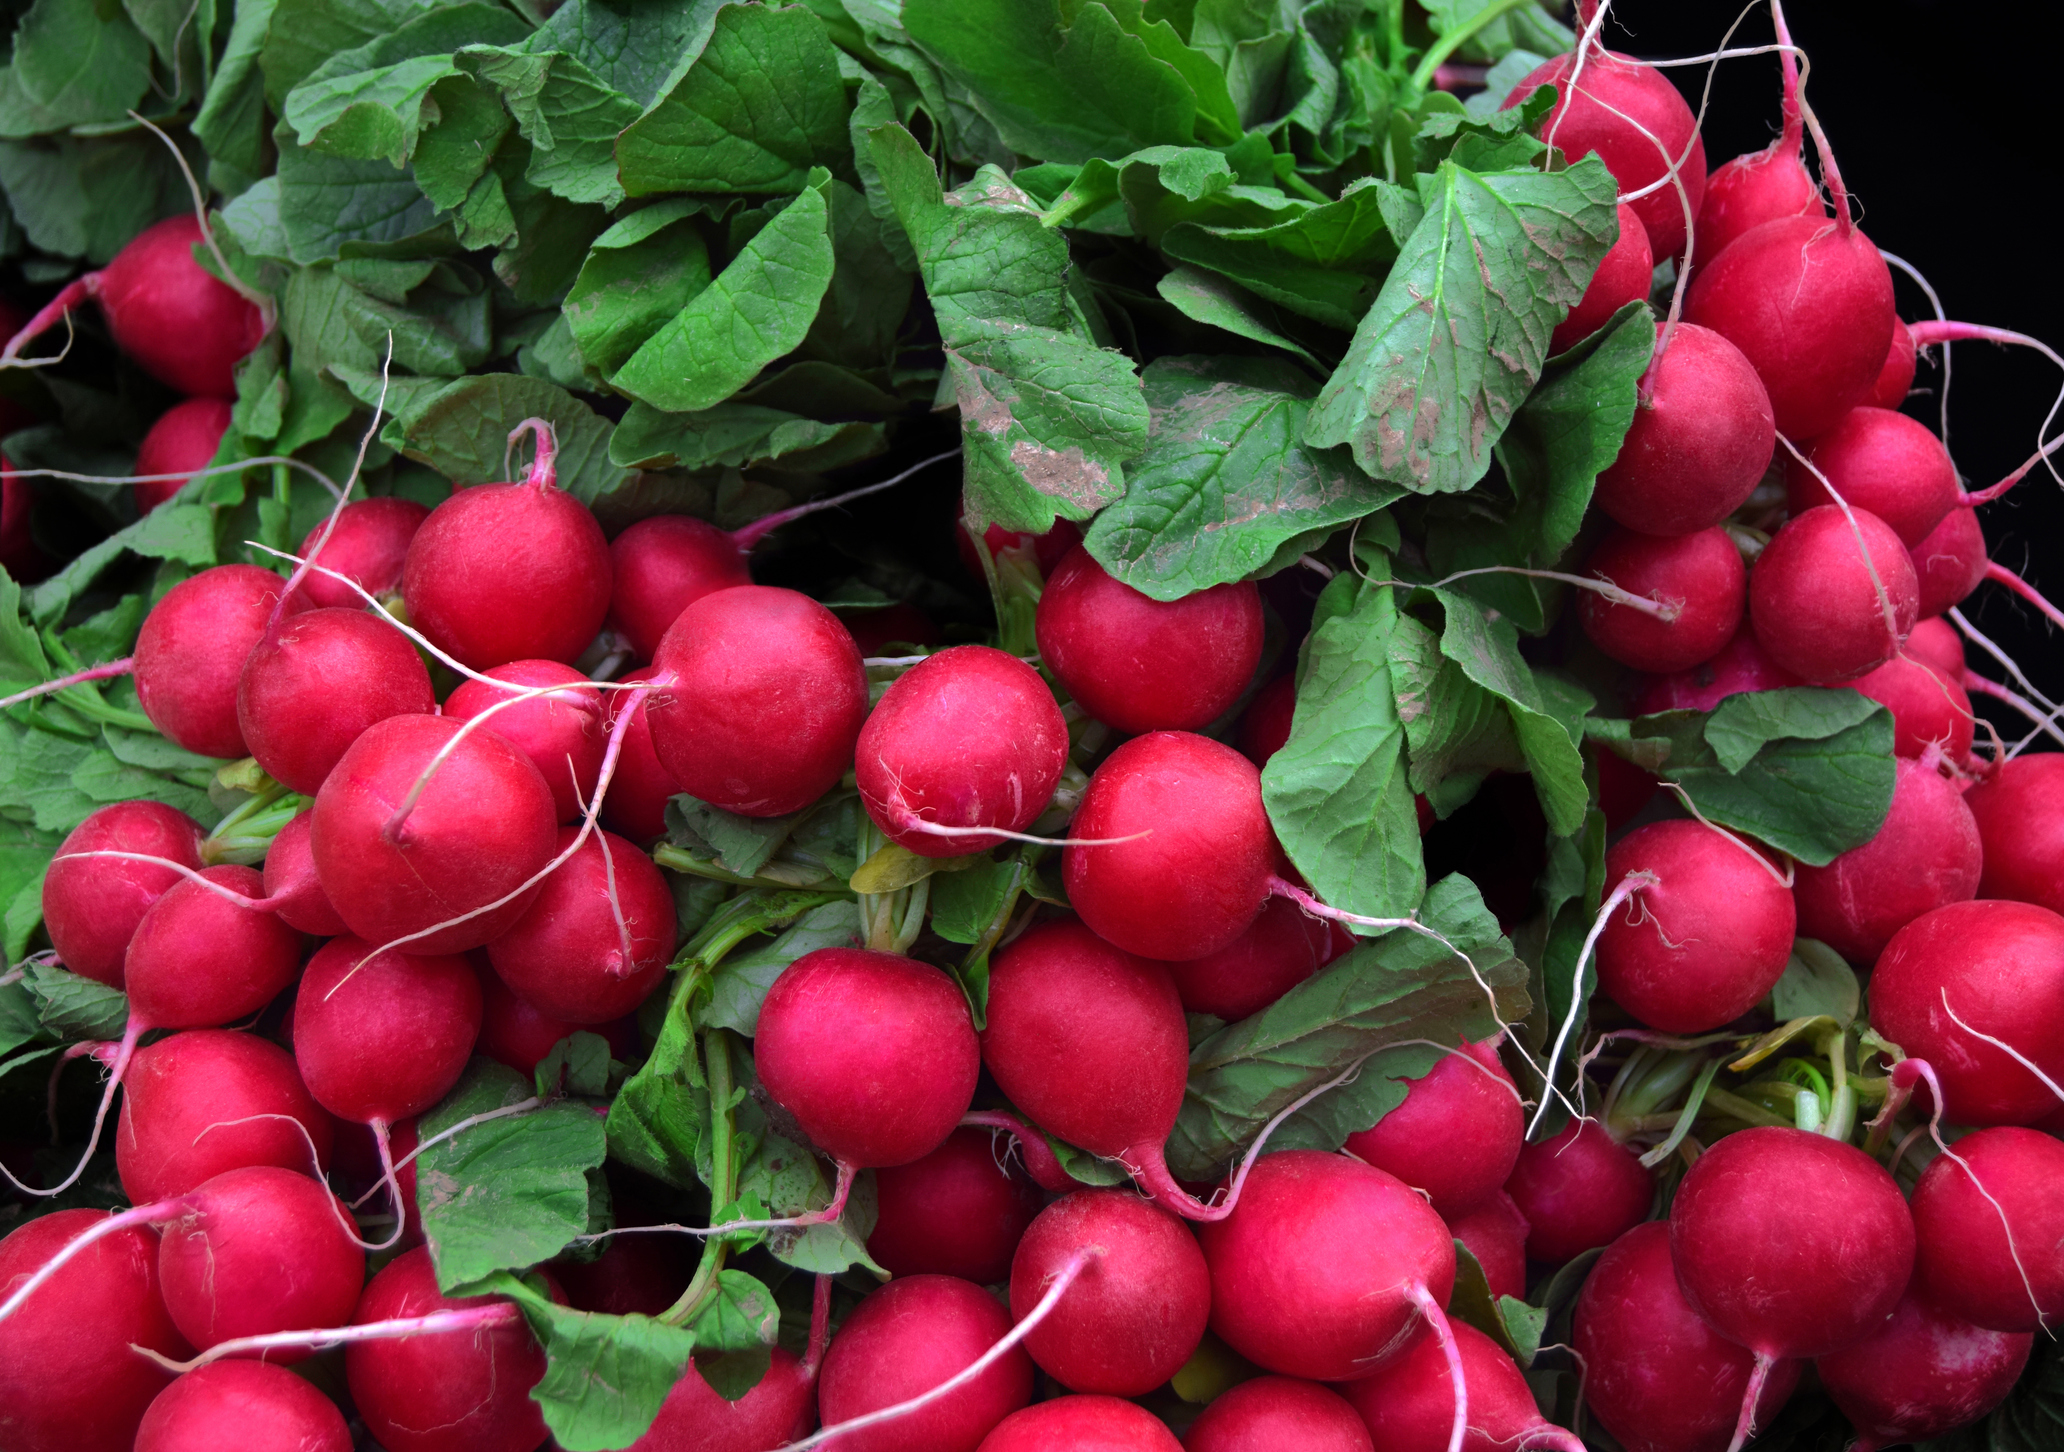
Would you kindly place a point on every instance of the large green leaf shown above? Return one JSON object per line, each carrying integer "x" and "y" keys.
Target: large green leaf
{"x": 1487, "y": 649}
{"x": 462, "y": 431}
{"x": 568, "y": 114}
{"x": 637, "y": 275}
{"x": 73, "y": 65}
{"x": 639, "y": 48}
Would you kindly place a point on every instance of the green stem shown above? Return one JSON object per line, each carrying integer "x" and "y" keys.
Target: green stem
{"x": 1448, "y": 44}
{"x": 1736, "y": 1107}
{"x": 717, "y": 1074}
{"x": 1297, "y": 184}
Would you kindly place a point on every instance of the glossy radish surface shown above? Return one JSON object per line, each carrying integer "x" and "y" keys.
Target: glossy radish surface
{"x": 246, "y": 1403}
{"x": 1699, "y": 443}
{"x": 1923, "y": 1373}
{"x": 315, "y": 682}
{"x": 662, "y": 565}
{"x": 182, "y": 441}
{"x": 959, "y": 1211}
{"x": 1833, "y": 596}
{"x": 200, "y": 1103}
{"x": 1697, "y": 579}
{"x": 1278, "y": 1411}
{"x": 1578, "y": 1189}
{"x": 564, "y": 734}
{"x": 1990, "y": 1230}
{"x": 2017, "y": 812}
{"x": 906, "y": 1338}
{"x": 1925, "y": 856}
{"x": 368, "y": 543}
{"x": 1457, "y": 1134}
{"x": 92, "y": 906}
{"x": 191, "y": 653}
{"x": 597, "y": 937}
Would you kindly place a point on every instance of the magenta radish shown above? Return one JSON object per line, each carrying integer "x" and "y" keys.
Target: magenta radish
{"x": 1989, "y": 1230}
{"x": 1624, "y": 275}
{"x": 442, "y": 1391}
{"x": 1881, "y": 461}
{"x": 182, "y": 442}
{"x": 2020, "y": 815}
{"x": 1266, "y": 725}
{"x": 191, "y": 653}
{"x": 1047, "y": 549}
{"x": 1656, "y": 1375}
{"x": 1701, "y": 438}
{"x": 91, "y": 906}
{"x": 1895, "y": 379}
{"x": 1202, "y": 859}
{"x": 1140, "y": 664}
{"x": 564, "y": 734}
{"x": 959, "y": 1211}
{"x": 199, "y": 960}
{"x": 1935, "y": 641}
{"x": 518, "y": 1033}
{"x": 1137, "y": 1311}
{"x": 1746, "y": 191}
{"x": 198, "y": 1104}
{"x": 1278, "y": 1412}
{"x": 1950, "y": 563}
{"x": 1457, "y": 1134}
{"x": 1577, "y": 1190}
{"x": 367, "y": 542}
{"x": 244, "y": 1404}
{"x": 1831, "y": 600}
{"x": 1928, "y": 708}
{"x": 781, "y": 1408}
{"x": 908, "y": 1337}
{"x": 417, "y": 828}
{"x": 1496, "y": 1233}
{"x": 1408, "y": 1404}
{"x": 765, "y": 703}
{"x": 1082, "y": 1424}
{"x": 597, "y": 937}
{"x": 1698, "y": 580}
{"x": 291, "y": 886}
{"x": 1739, "y": 666}
{"x": 1921, "y": 1374}
{"x": 966, "y": 739}
{"x": 1925, "y": 855}
{"x": 68, "y": 1380}
{"x": 1971, "y": 971}
{"x": 640, "y": 787}
{"x": 503, "y": 572}
{"x": 316, "y": 681}
{"x": 1283, "y": 947}
{"x": 19, "y": 555}
{"x": 661, "y": 566}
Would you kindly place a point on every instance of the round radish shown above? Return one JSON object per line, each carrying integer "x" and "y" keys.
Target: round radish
{"x": 1496, "y": 1233}
{"x": 1820, "y": 594}
{"x": 1698, "y": 579}
{"x": 1278, "y": 1412}
{"x": 1925, "y": 855}
{"x": 640, "y": 787}
{"x": 291, "y": 886}
{"x": 1700, "y": 441}
{"x": 1624, "y": 275}
{"x": 183, "y": 441}
{"x": 380, "y": 1038}
{"x": 1881, "y": 461}
{"x": 1740, "y": 666}
{"x": 767, "y": 699}
{"x": 314, "y": 684}
{"x": 968, "y": 738}
{"x": 518, "y": 1033}
{"x": 905, "y": 1339}
{"x": 1140, "y": 664}
{"x": 1082, "y": 1424}
{"x": 19, "y": 554}
{"x": 1047, "y": 549}
{"x": 1928, "y": 708}
{"x": 959, "y": 1211}
{"x": 598, "y": 936}
{"x": 199, "y": 960}
{"x": 1895, "y": 379}
{"x": 1577, "y": 1190}
{"x": 1408, "y": 1404}
{"x": 245, "y": 1404}
{"x": 191, "y": 653}
{"x": 1624, "y": 789}
{"x": 662, "y": 565}
{"x": 91, "y": 907}
{"x": 563, "y": 734}
{"x": 781, "y": 1408}
{"x": 196, "y": 1105}
{"x": 2020, "y": 815}
{"x": 1134, "y": 1315}
{"x": 368, "y": 542}
{"x": 1283, "y": 947}
{"x": 1756, "y": 187}
{"x": 1989, "y": 1227}
{"x": 1266, "y": 725}
{"x": 1457, "y": 1134}
{"x": 1950, "y": 563}
{"x": 1935, "y": 641}
{"x": 1921, "y": 1374}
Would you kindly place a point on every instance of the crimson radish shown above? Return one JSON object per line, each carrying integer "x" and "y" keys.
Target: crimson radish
{"x": 1496, "y": 1233}
{"x": 1266, "y": 725}
{"x": 781, "y": 1408}
{"x": 19, "y": 554}
{"x": 876, "y": 629}
{"x": 1624, "y": 275}
{"x": 2020, "y": 815}
{"x": 199, "y": 960}
{"x": 245, "y": 1404}
{"x": 1457, "y": 1134}
{"x": 316, "y": 681}
{"x": 518, "y": 1033}
{"x": 1756, "y": 187}
{"x": 1577, "y": 1190}
{"x": 1280, "y": 949}
{"x": 1698, "y": 580}
{"x": 1881, "y": 461}
{"x": 1989, "y": 1227}
{"x": 1408, "y": 1404}
{"x": 1278, "y": 1412}
{"x": 1831, "y": 599}
{"x": 200, "y": 1103}
{"x": 661, "y": 566}
{"x": 958, "y": 1211}
{"x": 1739, "y": 666}
{"x": 597, "y": 937}
{"x": 368, "y": 543}
{"x": 1700, "y": 441}
{"x": 1922, "y": 1373}
{"x": 1950, "y": 563}
{"x": 1047, "y": 549}
{"x": 182, "y": 442}
{"x": 191, "y": 651}
{"x": 291, "y": 886}
{"x": 92, "y": 905}
{"x": 1925, "y": 855}
{"x": 1082, "y": 1424}
{"x": 908, "y": 1337}
{"x": 636, "y": 1275}
{"x": 564, "y": 734}
{"x": 1895, "y": 379}
{"x": 1935, "y": 641}
{"x": 1929, "y": 709}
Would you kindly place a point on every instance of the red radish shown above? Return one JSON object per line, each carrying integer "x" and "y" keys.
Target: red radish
{"x": 1895, "y": 379}
{"x": 1578, "y": 1189}
{"x": 1496, "y": 1233}
{"x": 185, "y": 326}
{"x": 1826, "y": 607}
{"x": 1409, "y": 1405}
{"x": 1638, "y": 125}
{"x": 967, "y": 738}
{"x": 1998, "y": 967}
{"x": 314, "y": 684}
{"x": 885, "y": 1097}
{"x": 1140, "y": 664}
{"x": 564, "y": 734}
{"x": 1935, "y": 641}
{"x": 1756, "y": 187}
{"x": 2020, "y": 817}
{"x": 1266, "y": 725}
{"x": 1700, "y": 441}
{"x": 1808, "y": 300}
{"x": 1881, "y": 461}
{"x": 291, "y": 885}
{"x": 91, "y": 907}
{"x": 518, "y": 1033}
{"x": 636, "y": 1275}
{"x": 766, "y": 701}
{"x": 199, "y": 960}
{"x": 781, "y": 1408}
{"x": 19, "y": 555}
{"x": 183, "y": 441}
{"x": 68, "y": 1380}
{"x": 906, "y": 1338}
{"x": 1989, "y": 1227}
{"x": 1740, "y": 666}
{"x": 1698, "y": 579}
{"x": 958, "y": 1211}
{"x": 244, "y": 1404}
{"x": 1283, "y": 947}
{"x": 1276, "y": 1414}
{"x": 1928, "y": 708}
{"x": 1950, "y": 563}
{"x": 1702, "y": 944}
{"x": 1135, "y": 1315}
{"x": 1624, "y": 275}
{"x": 1921, "y": 1374}
{"x": 640, "y": 787}
{"x": 442, "y": 1391}
{"x": 368, "y": 542}
{"x": 598, "y": 935}
{"x": 503, "y": 572}
{"x": 1082, "y": 1424}
{"x": 259, "y": 1250}
{"x": 874, "y": 630}
{"x": 1656, "y": 1375}
{"x": 198, "y": 1104}
{"x": 191, "y": 652}
{"x": 1202, "y": 858}
{"x": 662, "y": 565}
{"x": 1047, "y": 549}
{"x": 481, "y": 825}
{"x": 1457, "y": 1134}
{"x": 1925, "y": 855}
{"x": 1624, "y": 789}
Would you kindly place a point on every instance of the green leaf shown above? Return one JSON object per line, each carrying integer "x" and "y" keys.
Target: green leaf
{"x": 740, "y": 1316}
{"x": 327, "y": 201}
{"x": 605, "y": 1376}
{"x": 1456, "y": 732}
{"x": 740, "y": 845}
{"x": 1487, "y": 650}
{"x": 1218, "y": 302}
{"x": 462, "y": 431}
{"x": 578, "y": 1064}
{"x": 36, "y": 779}
{"x": 658, "y": 1119}
{"x": 863, "y": 310}
{"x": 638, "y": 274}
{"x": 570, "y": 116}
{"x": 87, "y": 197}
{"x": 19, "y": 1021}
{"x": 1456, "y": 338}
{"x": 74, "y": 1008}
{"x": 741, "y": 982}
{"x": 740, "y": 436}
{"x": 1816, "y": 982}
{"x": 74, "y": 64}
{"x": 305, "y": 33}
{"x": 1325, "y": 263}
{"x": 964, "y": 905}
{"x": 1492, "y": 41}
{"x": 231, "y": 121}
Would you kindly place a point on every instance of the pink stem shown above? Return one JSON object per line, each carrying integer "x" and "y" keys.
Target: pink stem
{"x": 543, "y": 473}
{"x": 820, "y": 1328}
{"x": 1930, "y": 331}
{"x": 141, "y": 1215}
{"x": 130, "y": 1035}
{"x": 391, "y": 1178}
{"x": 1992, "y": 492}
{"x": 1745, "y": 1427}
{"x": 113, "y": 668}
{"x": 1437, "y": 1319}
{"x": 1040, "y": 1161}
{"x": 73, "y": 293}
{"x": 1792, "y": 138}
{"x": 1999, "y": 574}
{"x": 465, "y": 1318}
{"x": 759, "y": 529}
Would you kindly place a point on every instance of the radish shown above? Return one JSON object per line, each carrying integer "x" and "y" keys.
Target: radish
{"x": 1956, "y": 984}
{"x": 91, "y": 906}
{"x": 1327, "y": 1267}
{"x": 1746, "y": 191}
{"x": 1929, "y": 709}
{"x": 640, "y": 788}
{"x": 191, "y": 653}
{"x": 1656, "y": 1375}
{"x": 1699, "y": 946}
{"x": 503, "y": 572}
{"x": 1496, "y": 1233}
{"x": 1276, "y": 1414}
{"x": 1895, "y": 379}
{"x": 765, "y": 704}
{"x": 182, "y": 442}
{"x": 662, "y": 565}
{"x": 1047, "y": 550}
{"x": 291, "y": 886}
{"x": 2018, "y": 815}
{"x": 198, "y": 1104}
{"x": 636, "y": 1275}
{"x": 1139, "y": 664}
{"x": 185, "y": 326}
{"x": 1739, "y": 666}
{"x": 1989, "y": 1226}
{"x": 885, "y": 1097}
{"x": 1280, "y": 949}
{"x": 19, "y": 555}
{"x": 1408, "y": 1405}
{"x": 1202, "y": 858}
{"x": 199, "y": 960}
{"x": 316, "y": 681}
{"x": 442, "y": 1391}
{"x": 966, "y": 739}
{"x": 1577, "y": 1190}
{"x": 1624, "y": 275}
{"x": 1624, "y": 789}
{"x": 1921, "y": 1374}
{"x": 417, "y": 824}
{"x": 68, "y": 1380}
{"x": 1266, "y": 725}
{"x": 1457, "y": 1134}
{"x": 1925, "y": 855}
{"x": 1700, "y": 441}
{"x": 956, "y": 1212}
{"x": 1135, "y": 1315}
{"x": 1950, "y": 563}
{"x": 244, "y": 1404}
{"x": 367, "y": 541}
{"x": 518, "y": 1033}
{"x": 1827, "y": 606}
{"x": 1698, "y": 580}
{"x": 1082, "y": 1424}
{"x": 1935, "y": 641}
{"x": 598, "y": 936}
{"x": 1881, "y": 461}
{"x": 908, "y": 1337}
{"x": 564, "y": 734}
{"x": 781, "y": 1408}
